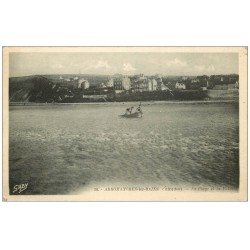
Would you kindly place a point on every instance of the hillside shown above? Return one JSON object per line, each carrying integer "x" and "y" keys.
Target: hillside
{"x": 35, "y": 89}
{"x": 30, "y": 88}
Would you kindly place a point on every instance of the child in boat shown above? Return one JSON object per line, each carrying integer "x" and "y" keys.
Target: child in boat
{"x": 129, "y": 110}
{"x": 139, "y": 109}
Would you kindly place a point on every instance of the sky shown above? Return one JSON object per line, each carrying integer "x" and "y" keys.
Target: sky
{"x": 127, "y": 63}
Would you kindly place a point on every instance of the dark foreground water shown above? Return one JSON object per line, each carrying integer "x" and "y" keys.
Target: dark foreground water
{"x": 67, "y": 148}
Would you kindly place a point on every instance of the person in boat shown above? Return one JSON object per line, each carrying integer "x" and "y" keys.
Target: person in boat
{"x": 129, "y": 110}
{"x": 139, "y": 109}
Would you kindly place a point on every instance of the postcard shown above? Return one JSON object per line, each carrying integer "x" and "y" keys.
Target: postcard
{"x": 125, "y": 123}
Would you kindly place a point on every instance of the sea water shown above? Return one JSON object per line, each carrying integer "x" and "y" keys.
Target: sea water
{"x": 60, "y": 149}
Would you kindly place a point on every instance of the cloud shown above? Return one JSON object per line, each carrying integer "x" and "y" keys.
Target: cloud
{"x": 127, "y": 67}
{"x": 57, "y": 66}
{"x": 176, "y": 62}
{"x": 94, "y": 66}
{"x": 211, "y": 68}
{"x": 102, "y": 64}
{"x": 204, "y": 68}
{"x": 200, "y": 67}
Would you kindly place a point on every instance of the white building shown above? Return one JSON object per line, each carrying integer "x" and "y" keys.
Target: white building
{"x": 152, "y": 85}
{"x": 110, "y": 83}
{"x": 179, "y": 85}
{"x": 126, "y": 84}
{"x": 83, "y": 84}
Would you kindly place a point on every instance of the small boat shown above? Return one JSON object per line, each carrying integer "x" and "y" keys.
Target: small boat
{"x": 132, "y": 115}
{"x": 129, "y": 114}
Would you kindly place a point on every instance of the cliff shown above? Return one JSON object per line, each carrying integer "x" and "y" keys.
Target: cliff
{"x": 35, "y": 89}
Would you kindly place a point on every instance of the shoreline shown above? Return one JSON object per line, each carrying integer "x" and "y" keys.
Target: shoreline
{"x": 123, "y": 103}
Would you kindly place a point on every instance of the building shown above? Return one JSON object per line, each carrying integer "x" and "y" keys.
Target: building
{"x": 136, "y": 85}
{"x": 159, "y": 83}
{"x": 152, "y": 84}
{"x": 140, "y": 84}
{"x": 102, "y": 85}
{"x": 83, "y": 84}
{"x": 110, "y": 83}
{"x": 180, "y": 85}
{"x": 144, "y": 84}
{"x": 118, "y": 85}
{"x": 121, "y": 84}
{"x": 126, "y": 84}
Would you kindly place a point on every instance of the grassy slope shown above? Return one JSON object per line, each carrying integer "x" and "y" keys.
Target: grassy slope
{"x": 28, "y": 88}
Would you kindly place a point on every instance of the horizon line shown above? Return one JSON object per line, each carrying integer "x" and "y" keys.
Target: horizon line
{"x": 92, "y": 74}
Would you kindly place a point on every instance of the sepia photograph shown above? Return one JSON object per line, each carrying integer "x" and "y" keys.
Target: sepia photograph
{"x": 125, "y": 123}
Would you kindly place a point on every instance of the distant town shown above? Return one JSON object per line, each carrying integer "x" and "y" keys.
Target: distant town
{"x": 101, "y": 88}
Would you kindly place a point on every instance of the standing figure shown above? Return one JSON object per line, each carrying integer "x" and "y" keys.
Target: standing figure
{"x": 139, "y": 110}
